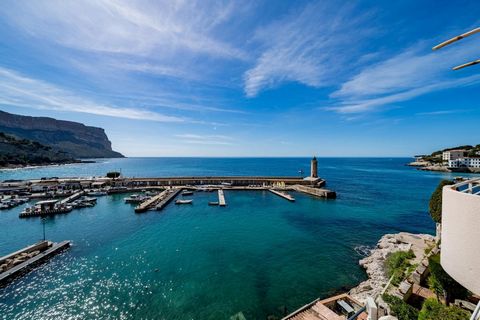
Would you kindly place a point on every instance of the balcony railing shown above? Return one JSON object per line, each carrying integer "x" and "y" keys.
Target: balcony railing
{"x": 471, "y": 186}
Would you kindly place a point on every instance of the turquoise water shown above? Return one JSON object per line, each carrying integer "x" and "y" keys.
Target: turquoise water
{"x": 259, "y": 255}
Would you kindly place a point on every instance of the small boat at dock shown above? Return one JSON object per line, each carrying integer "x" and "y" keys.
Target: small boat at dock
{"x": 189, "y": 201}
{"x": 136, "y": 198}
{"x": 213, "y": 203}
{"x": 97, "y": 193}
{"x": 187, "y": 193}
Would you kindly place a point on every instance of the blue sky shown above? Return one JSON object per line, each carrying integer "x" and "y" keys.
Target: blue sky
{"x": 241, "y": 78}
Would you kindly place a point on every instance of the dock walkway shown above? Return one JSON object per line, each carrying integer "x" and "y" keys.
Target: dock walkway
{"x": 10, "y": 273}
{"x": 282, "y": 194}
{"x": 147, "y": 204}
{"x": 169, "y": 196}
{"x": 317, "y": 192}
{"x": 159, "y": 201}
{"x": 71, "y": 198}
{"x": 221, "y": 198}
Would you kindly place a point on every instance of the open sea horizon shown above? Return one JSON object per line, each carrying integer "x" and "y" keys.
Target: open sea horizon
{"x": 261, "y": 255}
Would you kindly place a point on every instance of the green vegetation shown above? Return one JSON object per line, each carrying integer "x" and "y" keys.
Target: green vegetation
{"x": 398, "y": 265}
{"x": 436, "y": 157}
{"x": 23, "y": 152}
{"x": 434, "y": 310}
{"x": 401, "y": 309}
{"x": 435, "y": 205}
{"x": 444, "y": 285}
{"x": 113, "y": 174}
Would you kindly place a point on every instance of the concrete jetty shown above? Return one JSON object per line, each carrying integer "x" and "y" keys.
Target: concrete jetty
{"x": 24, "y": 266}
{"x": 71, "y": 198}
{"x": 282, "y": 194}
{"x": 169, "y": 196}
{"x": 147, "y": 204}
{"x": 221, "y": 198}
{"x": 317, "y": 192}
{"x": 159, "y": 201}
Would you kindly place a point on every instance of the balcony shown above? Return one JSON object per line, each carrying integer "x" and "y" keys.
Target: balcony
{"x": 460, "y": 245}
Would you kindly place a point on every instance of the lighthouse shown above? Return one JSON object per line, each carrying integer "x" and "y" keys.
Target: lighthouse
{"x": 313, "y": 168}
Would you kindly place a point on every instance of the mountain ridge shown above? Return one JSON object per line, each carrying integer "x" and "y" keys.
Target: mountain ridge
{"x": 75, "y": 139}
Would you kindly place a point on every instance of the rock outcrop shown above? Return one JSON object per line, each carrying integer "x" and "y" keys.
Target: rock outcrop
{"x": 374, "y": 264}
{"x": 73, "y": 138}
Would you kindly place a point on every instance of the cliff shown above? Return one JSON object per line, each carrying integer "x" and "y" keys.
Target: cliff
{"x": 73, "y": 138}
{"x": 22, "y": 152}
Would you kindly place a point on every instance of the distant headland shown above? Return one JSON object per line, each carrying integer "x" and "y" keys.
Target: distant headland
{"x": 31, "y": 141}
{"x": 464, "y": 158}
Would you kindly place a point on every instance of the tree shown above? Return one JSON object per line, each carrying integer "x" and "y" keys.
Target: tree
{"x": 113, "y": 174}
{"x": 434, "y": 310}
{"x": 435, "y": 205}
{"x": 435, "y": 286}
{"x": 401, "y": 309}
{"x": 451, "y": 288}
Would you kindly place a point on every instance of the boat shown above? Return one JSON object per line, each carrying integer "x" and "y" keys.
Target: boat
{"x": 189, "y": 201}
{"x": 88, "y": 199}
{"x": 187, "y": 193}
{"x": 97, "y": 193}
{"x": 213, "y": 203}
{"x": 136, "y": 198}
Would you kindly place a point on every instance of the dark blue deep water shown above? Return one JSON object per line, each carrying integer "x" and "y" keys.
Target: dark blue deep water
{"x": 259, "y": 255}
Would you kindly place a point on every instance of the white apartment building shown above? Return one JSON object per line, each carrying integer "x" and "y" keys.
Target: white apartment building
{"x": 473, "y": 162}
{"x": 460, "y": 225}
{"x": 453, "y": 154}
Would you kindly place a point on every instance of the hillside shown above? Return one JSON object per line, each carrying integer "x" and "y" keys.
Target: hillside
{"x": 23, "y": 152}
{"x": 73, "y": 138}
{"x": 436, "y": 156}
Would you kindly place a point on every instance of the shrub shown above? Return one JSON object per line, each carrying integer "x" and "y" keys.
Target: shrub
{"x": 434, "y": 310}
{"x": 401, "y": 309}
{"x": 451, "y": 288}
{"x": 113, "y": 174}
{"x": 435, "y": 206}
{"x": 397, "y": 264}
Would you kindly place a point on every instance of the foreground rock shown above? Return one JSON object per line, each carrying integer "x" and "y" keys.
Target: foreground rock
{"x": 374, "y": 264}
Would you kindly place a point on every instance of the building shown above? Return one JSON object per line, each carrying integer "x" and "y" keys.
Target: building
{"x": 460, "y": 226}
{"x": 314, "y": 168}
{"x": 453, "y": 154}
{"x": 469, "y": 162}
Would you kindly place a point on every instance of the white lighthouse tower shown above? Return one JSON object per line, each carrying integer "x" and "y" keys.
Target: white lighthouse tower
{"x": 314, "y": 168}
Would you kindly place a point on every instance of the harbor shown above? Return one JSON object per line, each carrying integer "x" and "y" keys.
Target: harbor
{"x": 247, "y": 249}
{"x": 62, "y": 195}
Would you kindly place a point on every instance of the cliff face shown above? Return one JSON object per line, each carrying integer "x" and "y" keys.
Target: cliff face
{"x": 74, "y": 138}
{"x": 22, "y": 152}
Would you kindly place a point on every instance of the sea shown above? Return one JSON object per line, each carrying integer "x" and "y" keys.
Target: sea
{"x": 259, "y": 256}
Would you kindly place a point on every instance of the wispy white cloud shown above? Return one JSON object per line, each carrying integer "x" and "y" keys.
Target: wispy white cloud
{"x": 414, "y": 72}
{"x": 310, "y": 47}
{"x": 127, "y": 27}
{"x": 205, "y": 139}
{"x": 441, "y": 112}
{"x": 21, "y": 91}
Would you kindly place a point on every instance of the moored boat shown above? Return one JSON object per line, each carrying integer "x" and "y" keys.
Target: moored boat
{"x": 189, "y": 201}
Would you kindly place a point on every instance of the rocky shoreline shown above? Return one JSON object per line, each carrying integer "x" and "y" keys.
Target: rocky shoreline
{"x": 374, "y": 264}
{"x": 33, "y": 166}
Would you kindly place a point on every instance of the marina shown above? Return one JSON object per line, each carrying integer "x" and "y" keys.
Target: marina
{"x": 244, "y": 252}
